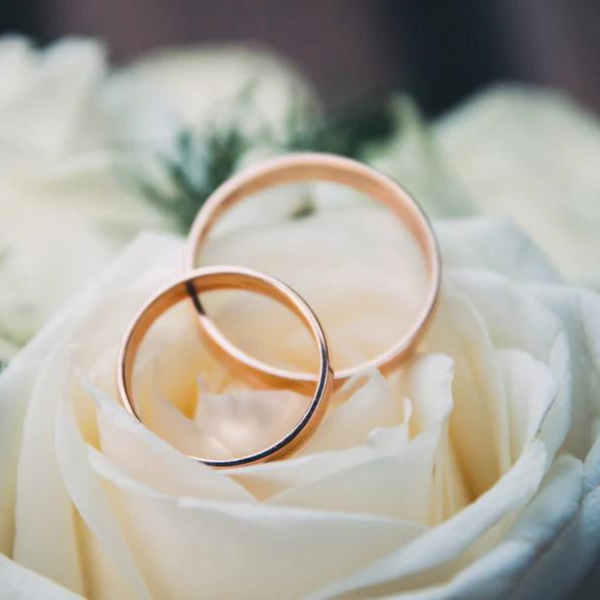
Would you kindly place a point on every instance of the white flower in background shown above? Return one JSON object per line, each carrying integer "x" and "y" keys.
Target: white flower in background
{"x": 183, "y": 104}
{"x": 65, "y": 123}
{"x": 533, "y": 155}
{"x": 525, "y": 153}
{"x": 412, "y": 157}
{"x": 471, "y": 472}
{"x": 171, "y": 90}
{"x": 63, "y": 217}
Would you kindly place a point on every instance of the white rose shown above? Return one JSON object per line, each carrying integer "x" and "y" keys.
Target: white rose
{"x": 471, "y": 472}
{"x": 526, "y": 153}
{"x": 199, "y": 87}
{"x": 64, "y": 216}
{"x": 64, "y": 209}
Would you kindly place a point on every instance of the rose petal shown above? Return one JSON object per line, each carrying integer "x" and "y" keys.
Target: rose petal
{"x": 479, "y": 424}
{"x": 394, "y": 482}
{"x": 530, "y": 391}
{"x": 428, "y": 382}
{"x": 531, "y": 154}
{"x": 515, "y": 319}
{"x": 46, "y": 110}
{"x": 217, "y": 548}
{"x": 16, "y": 386}
{"x": 155, "y": 97}
{"x": 15, "y": 62}
{"x": 92, "y": 502}
{"x": 433, "y": 555}
{"x": 19, "y": 583}
{"x": 249, "y": 421}
{"x": 473, "y": 243}
{"x": 389, "y": 475}
{"x": 143, "y": 455}
{"x": 578, "y": 311}
{"x": 45, "y": 537}
{"x": 506, "y": 569}
{"x": 349, "y": 423}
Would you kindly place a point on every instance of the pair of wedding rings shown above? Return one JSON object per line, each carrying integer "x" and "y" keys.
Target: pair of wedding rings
{"x": 280, "y": 171}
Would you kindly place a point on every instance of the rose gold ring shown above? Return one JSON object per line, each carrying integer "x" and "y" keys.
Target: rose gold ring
{"x": 314, "y": 166}
{"x": 213, "y": 278}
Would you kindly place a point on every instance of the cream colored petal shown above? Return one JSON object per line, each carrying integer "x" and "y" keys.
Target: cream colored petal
{"x": 389, "y": 475}
{"x": 162, "y": 418}
{"x": 338, "y": 444}
{"x": 19, "y": 583}
{"x": 209, "y": 549}
{"x": 530, "y": 391}
{"x": 349, "y": 423}
{"x": 428, "y": 381}
{"x": 104, "y": 578}
{"x": 434, "y": 555}
{"x": 246, "y": 422}
{"x": 146, "y": 457}
{"x": 395, "y": 483}
{"x": 92, "y": 502}
{"x": 45, "y": 537}
{"x": 479, "y": 424}
{"x": 22, "y": 378}
{"x": 567, "y": 560}
{"x": 16, "y": 385}
{"x": 18, "y": 380}
{"x": 473, "y": 243}
{"x": 514, "y": 319}
{"x": 579, "y": 310}
{"x": 267, "y": 480}
{"x": 92, "y": 215}
{"x": 165, "y": 419}
{"x": 450, "y": 493}
{"x": 521, "y": 566}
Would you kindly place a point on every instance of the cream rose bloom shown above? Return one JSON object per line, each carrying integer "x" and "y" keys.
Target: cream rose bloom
{"x": 471, "y": 472}
{"x": 66, "y": 122}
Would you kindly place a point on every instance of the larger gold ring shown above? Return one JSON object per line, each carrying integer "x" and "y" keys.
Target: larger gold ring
{"x": 213, "y": 278}
{"x": 314, "y": 166}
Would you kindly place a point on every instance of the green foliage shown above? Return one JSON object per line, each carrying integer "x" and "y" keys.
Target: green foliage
{"x": 180, "y": 180}
{"x": 344, "y": 132}
{"x": 196, "y": 167}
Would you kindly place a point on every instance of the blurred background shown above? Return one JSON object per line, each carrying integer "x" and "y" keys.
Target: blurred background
{"x": 356, "y": 50}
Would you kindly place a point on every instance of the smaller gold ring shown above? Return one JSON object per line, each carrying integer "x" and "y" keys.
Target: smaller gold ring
{"x": 293, "y": 168}
{"x": 213, "y": 278}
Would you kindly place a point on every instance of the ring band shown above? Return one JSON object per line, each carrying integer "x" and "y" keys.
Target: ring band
{"x": 213, "y": 278}
{"x": 315, "y": 166}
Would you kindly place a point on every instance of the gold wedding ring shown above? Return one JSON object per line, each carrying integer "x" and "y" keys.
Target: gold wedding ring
{"x": 304, "y": 167}
{"x": 213, "y": 278}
